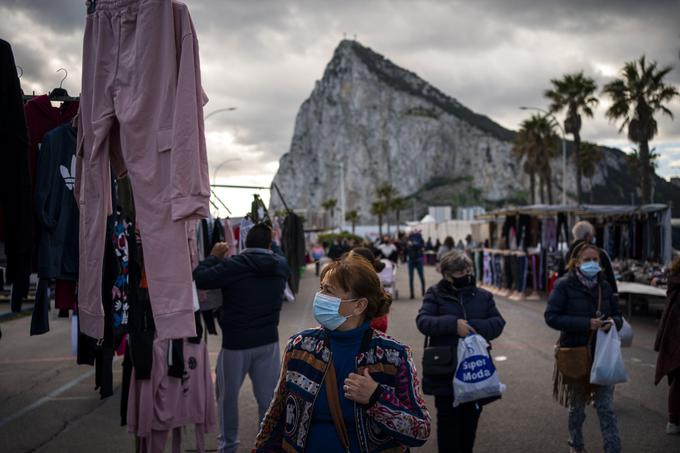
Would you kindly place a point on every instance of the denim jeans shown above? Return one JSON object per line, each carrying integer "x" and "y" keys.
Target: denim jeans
{"x": 418, "y": 265}
{"x": 604, "y": 404}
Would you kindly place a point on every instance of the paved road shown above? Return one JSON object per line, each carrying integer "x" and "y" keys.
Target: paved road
{"x": 47, "y": 403}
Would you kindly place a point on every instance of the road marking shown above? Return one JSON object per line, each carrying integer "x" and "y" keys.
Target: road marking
{"x": 500, "y": 358}
{"x": 50, "y": 396}
{"x": 37, "y": 360}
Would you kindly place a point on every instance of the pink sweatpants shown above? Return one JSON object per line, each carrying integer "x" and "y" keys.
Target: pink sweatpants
{"x": 141, "y": 113}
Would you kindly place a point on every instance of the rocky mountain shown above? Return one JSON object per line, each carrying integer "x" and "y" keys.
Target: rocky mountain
{"x": 386, "y": 124}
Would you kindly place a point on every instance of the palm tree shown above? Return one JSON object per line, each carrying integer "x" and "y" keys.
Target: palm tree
{"x": 398, "y": 205}
{"x": 635, "y": 99}
{"x": 633, "y": 161}
{"x": 590, "y": 157}
{"x": 386, "y": 193}
{"x": 522, "y": 149}
{"x": 379, "y": 208}
{"x": 329, "y": 205}
{"x": 353, "y": 218}
{"x": 575, "y": 93}
{"x": 536, "y": 142}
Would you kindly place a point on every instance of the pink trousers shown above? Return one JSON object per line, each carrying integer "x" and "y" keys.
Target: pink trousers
{"x": 141, "y": 113}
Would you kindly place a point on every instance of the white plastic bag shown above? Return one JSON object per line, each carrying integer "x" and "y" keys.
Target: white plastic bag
{"x": 476, "y": 376}
{"x": 626, "y": 335}
{"x": 608, "y": 368}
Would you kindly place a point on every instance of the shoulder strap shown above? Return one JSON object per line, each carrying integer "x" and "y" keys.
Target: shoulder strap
{"x": 334, "y": 405}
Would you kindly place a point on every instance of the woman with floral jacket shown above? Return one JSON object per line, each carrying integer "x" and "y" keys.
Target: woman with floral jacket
{"x": 376, "y": 386}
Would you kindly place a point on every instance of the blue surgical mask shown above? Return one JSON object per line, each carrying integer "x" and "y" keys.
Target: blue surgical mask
{"x": 590, "y": 269}
{"x": 327, "y": 311}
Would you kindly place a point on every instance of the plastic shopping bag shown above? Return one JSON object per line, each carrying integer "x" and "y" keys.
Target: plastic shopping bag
{"x": 476, "y": 376}
{"x": 626, "y": 335}
{"x": 608, "y": 368}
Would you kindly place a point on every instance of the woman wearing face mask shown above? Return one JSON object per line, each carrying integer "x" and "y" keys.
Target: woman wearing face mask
{"x": 452, "y": 309}
{"x": 582, "y": 302}
{"x": 345, "y": 387}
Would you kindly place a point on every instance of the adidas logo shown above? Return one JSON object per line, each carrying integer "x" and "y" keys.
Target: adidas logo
{"x": 69, "y": 178}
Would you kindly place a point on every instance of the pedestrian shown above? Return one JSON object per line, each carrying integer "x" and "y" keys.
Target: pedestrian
{"x": 252, "y": 286}
{"x": 414, "y": 256}
{"x": 388, "y": 250}
{"x": 335, "y": 250}
{"x": 582, "y": 301}
{"x": 379, "y": 323}
{"x": 470, "y": 243}
{"x": 345, "y": 387}
{"x": 668, "y": 346}
{"x": 584, "y": 231}
{"x": 317, "y": 253}
{"x": 447, "y": 247}
{"x": 452, "y": 309}
{"x": 437, "y": 245}
{"x": 460, "y": 245}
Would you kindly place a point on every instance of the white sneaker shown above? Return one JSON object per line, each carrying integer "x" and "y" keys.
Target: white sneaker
{"x": 672, "y": 428}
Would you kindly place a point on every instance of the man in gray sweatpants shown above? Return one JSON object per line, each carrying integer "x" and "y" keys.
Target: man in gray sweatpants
{"x": 252, "y": 286}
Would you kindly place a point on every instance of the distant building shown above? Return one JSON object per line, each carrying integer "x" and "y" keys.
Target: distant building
{"x": 440, "y": 213}
{"x": 469, "y": 212}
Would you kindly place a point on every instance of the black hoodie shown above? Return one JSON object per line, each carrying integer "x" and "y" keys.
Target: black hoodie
{"x": 252, "y": 285}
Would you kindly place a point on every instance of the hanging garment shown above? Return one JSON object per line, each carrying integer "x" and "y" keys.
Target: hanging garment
{"x": 56, "y": 207}
{"x": 16, "y": 220}
{"x": 153, "y": 130}
{"x": 229, "y": 237}
{"x": 246, "y": 225}
{"x": 163, "y": 402}
{"x": 293, "y": 244}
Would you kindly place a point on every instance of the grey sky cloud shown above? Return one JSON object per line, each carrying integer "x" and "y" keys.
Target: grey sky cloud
{"x": 264, "y": 56}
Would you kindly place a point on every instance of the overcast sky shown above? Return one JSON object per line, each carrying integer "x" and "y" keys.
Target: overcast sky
{"x": 263, "y": 58}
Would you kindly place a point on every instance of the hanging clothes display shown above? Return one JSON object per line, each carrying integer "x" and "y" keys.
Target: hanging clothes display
{"x": 153, "y": 130}
{"x": 293, "y": 244}
{"x": 16, "y": 223}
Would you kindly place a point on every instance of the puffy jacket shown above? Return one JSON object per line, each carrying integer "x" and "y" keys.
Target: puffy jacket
{"x": 572, "y": 305}
{"x": 395, "y": 420}
{"x": 438, "y": 317}
{"x": 252, "y": 286}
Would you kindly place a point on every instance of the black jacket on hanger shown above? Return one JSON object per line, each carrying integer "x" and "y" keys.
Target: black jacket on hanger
{"x": 15, "y": 184}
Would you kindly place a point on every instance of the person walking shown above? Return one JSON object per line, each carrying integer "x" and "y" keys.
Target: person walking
{"x": 452, "y": 309}
{"x": 448, "y": 246}
{"x": 252, "y": 286}
{"x": 582, "y": 302}
{"x": 667, "y": 344}
{"x": 414, "y": 255}
{"x": 345, "y": 387}
{"x": 317, "y": 254}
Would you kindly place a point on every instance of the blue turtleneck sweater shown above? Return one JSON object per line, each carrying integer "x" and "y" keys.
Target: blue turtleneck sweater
{"x": 323, "y": 436}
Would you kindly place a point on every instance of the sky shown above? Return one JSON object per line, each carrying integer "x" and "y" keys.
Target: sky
{"x": 262, "y": 57}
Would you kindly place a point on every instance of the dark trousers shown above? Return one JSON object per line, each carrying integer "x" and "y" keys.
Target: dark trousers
{"x": 416, "y": 264}
{"x": 674, "y": 398}
{"x": 456, "y": 427}
{"x": 318, "y": 267}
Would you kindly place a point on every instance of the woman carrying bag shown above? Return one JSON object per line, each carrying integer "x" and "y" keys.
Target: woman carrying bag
{"x": 667, "y": 344}
{"x": 582, "y": 302}
{"x": 345, "y": 387}
{"x": 451, "y": 310}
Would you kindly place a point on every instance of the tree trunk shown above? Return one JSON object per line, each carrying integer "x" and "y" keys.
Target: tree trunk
{"x": 354, "y": 225}
{"x": 541, "y": 185}
{"x": 532, "y": 188}
{"x": 577, "y": 160}
{"x": 548, "y": 181}
{"x": 645, "y": 173}
{"x": 380, "y": 222}
{"x": 397, "y": 222}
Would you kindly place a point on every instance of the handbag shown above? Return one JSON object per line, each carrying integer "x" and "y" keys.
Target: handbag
{"x": 575, "y": 363}
{"x": 439, "y": 360}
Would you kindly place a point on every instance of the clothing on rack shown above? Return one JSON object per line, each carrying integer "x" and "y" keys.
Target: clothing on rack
{"x": 16, "y": 219}
{"x": 293, "y": 244}
{"x": 153, "y": 130}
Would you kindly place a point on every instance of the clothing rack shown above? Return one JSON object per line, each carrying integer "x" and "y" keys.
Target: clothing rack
{"x": 28, "y": 97}
{"x": 270, "y": 188}
{"x": 212, "y": 192}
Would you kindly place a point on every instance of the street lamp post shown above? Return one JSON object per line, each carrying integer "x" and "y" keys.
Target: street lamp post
{"x": 214, "y": 178}
{"x": 228, "y": 109}
{"x": 341, "y": 166}
{"x": 564, "y": 150}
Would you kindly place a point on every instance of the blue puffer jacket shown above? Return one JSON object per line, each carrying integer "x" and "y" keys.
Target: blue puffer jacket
{"x": 438, "y": 317}
{"x": 572, "y": 305}
{"x": 396, "y": 417}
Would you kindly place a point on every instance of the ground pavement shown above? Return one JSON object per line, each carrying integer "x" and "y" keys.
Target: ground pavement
{"x": 48, "y": 404}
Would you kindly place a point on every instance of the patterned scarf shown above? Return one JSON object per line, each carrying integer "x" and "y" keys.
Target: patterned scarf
{"x": 589, "y": 283}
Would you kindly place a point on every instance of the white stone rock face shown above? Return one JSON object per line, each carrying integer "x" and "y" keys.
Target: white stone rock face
{"x": 388, "y": 125}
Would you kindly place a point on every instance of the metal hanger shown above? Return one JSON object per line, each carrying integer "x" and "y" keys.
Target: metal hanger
{"x": 60, "y": 92}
